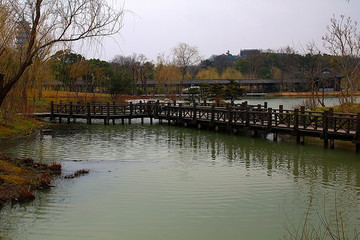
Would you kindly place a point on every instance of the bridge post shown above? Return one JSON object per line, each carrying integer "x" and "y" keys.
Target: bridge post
{"x": 194, "y": 112}
{"x": 325, "y": 128}
{"x": 212, "y": 115}
{"x": 302, "y": 117}
{"x": 180, "y": 113}
{"x": 114, "y": 108}
{"x": 259, "y": 107}
{"x": 296, "y": 125}
{"x": 131, "y": 112}
{"x": 59, "y": 111}
{"x": 247, "y": 116}
{"x": 331, "y": 120}
{"x": 52, "y": 111}
{"x": 357, "y": 136}
{"x": 88, "y": 108}
{"x": 168, "y": 113}
{"x": 269, "y": 118}
{"x": 141, "y": 111}
{"x": 107, "y": 118}
{"x": 229, "y": 109}
{"x": 281, "y": 108}
{"x": 114, "y": 112}
{"x": 157, "y": 108}
{"x": 71, "y": 112}
{"x": 149, "y": 112}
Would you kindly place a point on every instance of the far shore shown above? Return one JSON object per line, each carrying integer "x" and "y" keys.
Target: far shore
{"x": 305, "y": 94}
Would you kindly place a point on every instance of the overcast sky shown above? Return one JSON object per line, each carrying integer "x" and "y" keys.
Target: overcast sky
{"x": 152, "y": 27}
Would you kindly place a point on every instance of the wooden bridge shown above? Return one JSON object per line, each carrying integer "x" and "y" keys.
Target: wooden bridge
{"x": 328, "y": 126}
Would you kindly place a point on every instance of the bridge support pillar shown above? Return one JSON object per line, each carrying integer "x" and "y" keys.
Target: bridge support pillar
{"x": 275, "y": 136}
{"x": 253, "y": 133}
{"x": 332, "y": 143}
{"x": 326, "y": 143}
{"x": 300, "y": 139}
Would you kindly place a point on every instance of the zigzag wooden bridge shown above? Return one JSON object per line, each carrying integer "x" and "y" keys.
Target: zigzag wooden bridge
{"x": 328, "y": 126}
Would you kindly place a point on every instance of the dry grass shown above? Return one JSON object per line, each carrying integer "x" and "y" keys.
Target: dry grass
{"x": 303, "y": 94}
{"x": 15, "y": 124}
{"x": 20, "y": 177}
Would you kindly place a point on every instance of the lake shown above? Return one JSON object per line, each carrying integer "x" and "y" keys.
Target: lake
{"x": 289, "y": 102}
{"x": 167, "y": 182}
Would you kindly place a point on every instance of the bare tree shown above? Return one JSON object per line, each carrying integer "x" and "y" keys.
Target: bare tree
{"x": 312, "y": 68}
{"x": 343, "y": 40}
{"x": 184, "y": 57}
{"x": 51, "y": 23}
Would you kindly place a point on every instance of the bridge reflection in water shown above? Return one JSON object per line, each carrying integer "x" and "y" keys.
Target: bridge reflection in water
{"x": 327, "y": 126}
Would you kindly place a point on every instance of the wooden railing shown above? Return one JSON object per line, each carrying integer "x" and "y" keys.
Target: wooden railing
{"x": 327, "y": 125}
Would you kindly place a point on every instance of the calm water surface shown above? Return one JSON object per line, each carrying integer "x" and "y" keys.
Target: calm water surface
{"x": 164, "y": 182}
{"x": 290, "y": 102}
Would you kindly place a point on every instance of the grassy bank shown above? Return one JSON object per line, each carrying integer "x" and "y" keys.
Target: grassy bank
{"x": 344, "y": 108}
{"x": 15, "y": 124}
{"x": 304, "y": 94}
{"x": 20, "y": 178}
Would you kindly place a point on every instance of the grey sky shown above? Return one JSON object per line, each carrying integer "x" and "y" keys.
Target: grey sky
{"x": 156, "y": 26}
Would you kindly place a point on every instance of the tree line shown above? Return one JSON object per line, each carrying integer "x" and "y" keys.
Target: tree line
{"x": 122, "y": 74}
{"x": 34, "y": 52}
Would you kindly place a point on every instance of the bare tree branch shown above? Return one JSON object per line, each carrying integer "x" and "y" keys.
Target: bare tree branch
{"x": 53, "y": 22}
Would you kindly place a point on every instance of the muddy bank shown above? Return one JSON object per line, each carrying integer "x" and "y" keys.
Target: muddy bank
{"x": 20, "y": 178}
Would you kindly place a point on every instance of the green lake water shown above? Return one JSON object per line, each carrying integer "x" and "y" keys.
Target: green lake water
{"x": 169, "y": 183}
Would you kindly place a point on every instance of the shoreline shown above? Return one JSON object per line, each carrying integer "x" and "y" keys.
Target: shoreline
{"x": 19, "y": 125}
{"x": 304, "y": 94}
{"x": 21, "y": 178}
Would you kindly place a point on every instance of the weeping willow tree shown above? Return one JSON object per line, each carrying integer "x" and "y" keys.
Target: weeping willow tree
{"x": 31, "y": 29}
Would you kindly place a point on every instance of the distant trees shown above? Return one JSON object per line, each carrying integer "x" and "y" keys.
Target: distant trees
{"x": 208, "y": 73}
{"x": 78, "y": 74}
{"x": 140, "y": 68}
{"x": 217, "y": 92}
{"x": 166, "y": 73}
{"x": 122, "y": 79}
{"x": 63, "y": 64}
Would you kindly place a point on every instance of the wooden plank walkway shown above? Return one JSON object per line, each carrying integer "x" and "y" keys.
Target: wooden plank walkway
{"x": 328, "y": 126}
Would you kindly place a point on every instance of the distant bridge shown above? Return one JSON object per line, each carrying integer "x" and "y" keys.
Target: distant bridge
{"x": 327, "y": 126}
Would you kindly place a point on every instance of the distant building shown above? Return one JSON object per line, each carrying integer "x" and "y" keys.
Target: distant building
{"x": 249, "y": 52}
{"x": 23, "y": 33}
{"x": 329, "y": 80}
